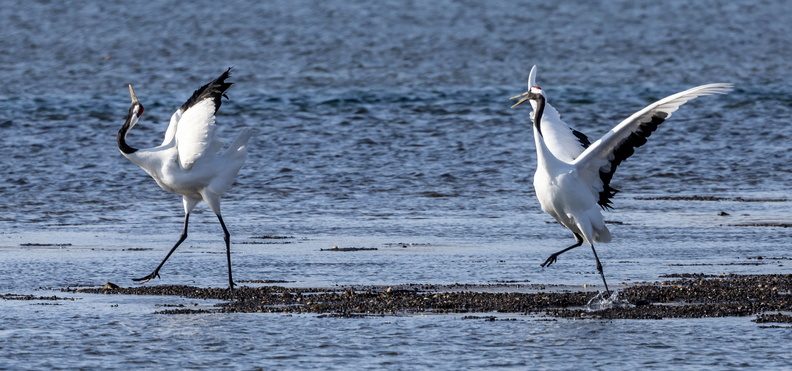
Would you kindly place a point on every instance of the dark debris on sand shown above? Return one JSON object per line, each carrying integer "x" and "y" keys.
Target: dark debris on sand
{"x": 33, "y": 297}
{"x": 699, "y": 296}
{"x": 690, "y": 296}
{"x": 773, "y": 317}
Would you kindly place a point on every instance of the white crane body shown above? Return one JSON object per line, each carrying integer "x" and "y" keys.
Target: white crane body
{"x": 572, "y": 179}
{"x": 191, "y": 161}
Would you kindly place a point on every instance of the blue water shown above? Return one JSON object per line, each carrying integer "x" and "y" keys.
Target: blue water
{"x": 381, "y": 124}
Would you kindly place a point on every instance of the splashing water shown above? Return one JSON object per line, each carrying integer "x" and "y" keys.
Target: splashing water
{"x": 601, "y": 302}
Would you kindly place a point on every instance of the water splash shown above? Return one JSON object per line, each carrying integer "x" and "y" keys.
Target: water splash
{"x": 601, "y": 302}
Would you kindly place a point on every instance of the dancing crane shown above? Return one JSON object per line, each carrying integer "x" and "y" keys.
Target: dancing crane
{"x": 189, "y": 162}
{"x": 572, "y": 179}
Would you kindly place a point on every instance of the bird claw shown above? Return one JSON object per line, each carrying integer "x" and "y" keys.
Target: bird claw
{"x": 143, "y": 280}
{"x": 549, "y": 261}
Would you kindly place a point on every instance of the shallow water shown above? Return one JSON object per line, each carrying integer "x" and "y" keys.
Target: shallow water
{"x": 383, "y": 124}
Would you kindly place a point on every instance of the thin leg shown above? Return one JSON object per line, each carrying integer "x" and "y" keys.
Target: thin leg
{"x": 227, "y": 237}
{"x": 181, "y": 239}
{"x": 552, "y": 258}
{"x": 599, "y": 268}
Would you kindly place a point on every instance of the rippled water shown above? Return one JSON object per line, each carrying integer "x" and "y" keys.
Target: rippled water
{"x": 380, "y": 124}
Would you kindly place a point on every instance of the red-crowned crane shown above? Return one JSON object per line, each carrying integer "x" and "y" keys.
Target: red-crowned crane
{"x": 190, "y": 161}
{"x": 572, "y": 179}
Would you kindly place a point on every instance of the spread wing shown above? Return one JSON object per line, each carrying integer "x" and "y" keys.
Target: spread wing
{"x": 599, "y": 161}
{"x": 195, "y": 121}
{"x": 564, "y": 142}
{"x": 174, "y": 122}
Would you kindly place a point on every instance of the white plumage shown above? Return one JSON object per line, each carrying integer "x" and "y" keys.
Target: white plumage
{"x": 190, "y": 161}
{"x": 558, "y": 136}
{"x": 572, "y": 179}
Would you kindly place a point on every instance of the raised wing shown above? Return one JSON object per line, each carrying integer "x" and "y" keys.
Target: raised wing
{"x": 174, "y": 122}
{"x": 599, "y": 161}
{"x": 195, "y": 128}
{"x": 564, "y": 142}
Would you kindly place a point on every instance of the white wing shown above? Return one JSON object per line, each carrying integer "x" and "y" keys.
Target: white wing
{"x": 564, "y": 142}
{"x": 174, "y": 122}
{"x": 599, "y": 161}
{"x": 195, "y": 132}
{"x": 195, "y": 122}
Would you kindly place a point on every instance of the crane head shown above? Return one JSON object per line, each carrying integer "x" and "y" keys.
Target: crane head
{"x": 136, "y": 108}
{"x": 531, "y": 94}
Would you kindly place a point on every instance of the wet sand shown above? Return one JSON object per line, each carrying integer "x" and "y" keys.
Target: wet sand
{"x": 682, "y": 296}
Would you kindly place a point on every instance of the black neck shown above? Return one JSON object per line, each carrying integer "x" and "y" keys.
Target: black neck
{"x": 121, "y": 138}
{"x": 540, "y": 106}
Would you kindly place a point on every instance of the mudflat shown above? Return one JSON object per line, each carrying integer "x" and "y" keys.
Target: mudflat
{"x": 681, "y": 296}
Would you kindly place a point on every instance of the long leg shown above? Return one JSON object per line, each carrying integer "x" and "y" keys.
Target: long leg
{"x": 181, "y": 239}
{"x": 552, "y": 258}
{"x": 227, "y": 238}
{"x": 599, "y": 268}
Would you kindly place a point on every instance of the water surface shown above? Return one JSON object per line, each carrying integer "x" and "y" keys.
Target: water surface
{"x": 383, "y": 124}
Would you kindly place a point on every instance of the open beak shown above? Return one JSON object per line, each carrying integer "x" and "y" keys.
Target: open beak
{"x": 132, "y": 94}
{"x": 524, "y": 97}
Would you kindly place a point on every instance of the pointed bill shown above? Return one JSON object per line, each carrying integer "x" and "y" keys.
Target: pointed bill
{"x": 132, "y": 94}
{"x": 524, "y": 97}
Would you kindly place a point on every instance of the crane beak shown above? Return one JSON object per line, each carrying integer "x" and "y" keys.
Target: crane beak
{"x": 135, "y": 101}
{"x": 132, "y": 94}
{"x": 525, "y": 97}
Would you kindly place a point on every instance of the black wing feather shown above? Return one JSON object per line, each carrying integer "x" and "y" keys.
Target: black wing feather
{"x": 213, "y": 90}
{"x": 582, "y": 138}
{"x": 624, "y": 150}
